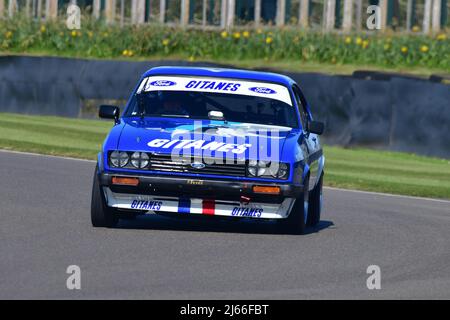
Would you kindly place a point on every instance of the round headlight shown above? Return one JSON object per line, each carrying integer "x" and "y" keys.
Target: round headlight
{"x": 114, "y": 158}
{"x": 279, "y": 170}
{"x": 139, "y": 160}
{"x": 273, "y": 170}
{"x": 258, "y": 168}
{"x": 123, "y": 159}
{"x": 252, "y": 167}
{"x": 118, "y": 158}
{"x": 263, "y": 164}
{"x": 261, "y": 171}
{"x": 283, "y": 170}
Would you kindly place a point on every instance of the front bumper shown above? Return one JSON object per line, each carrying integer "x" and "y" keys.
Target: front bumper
{"x": 156, "y": 194}
{"x": 175, "y": 186}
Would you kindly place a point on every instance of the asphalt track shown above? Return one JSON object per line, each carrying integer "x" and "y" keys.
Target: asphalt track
{"x": 45, "y": 227}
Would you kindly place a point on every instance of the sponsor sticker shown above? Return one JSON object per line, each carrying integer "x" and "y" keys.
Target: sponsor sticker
{"x": 262, "y": 90}
{"x": 213, "y": 85}
{"x": 247, "y": 212}
{"x": 146, "y": 205}
{"x": 162, "y": 83}
{"x": 197, "y": 165}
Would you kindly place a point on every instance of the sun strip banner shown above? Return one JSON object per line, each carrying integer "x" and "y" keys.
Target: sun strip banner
{"x": 205, "y": 84}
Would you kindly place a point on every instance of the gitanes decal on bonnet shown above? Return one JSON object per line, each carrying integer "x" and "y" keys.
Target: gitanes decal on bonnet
{"x": 199, "y": 144}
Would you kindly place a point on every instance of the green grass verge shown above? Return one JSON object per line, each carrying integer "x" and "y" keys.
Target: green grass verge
{"x": 363, "y": 169}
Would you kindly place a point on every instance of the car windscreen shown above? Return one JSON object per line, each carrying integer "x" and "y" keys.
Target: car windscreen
{"x": 197, "y": 105}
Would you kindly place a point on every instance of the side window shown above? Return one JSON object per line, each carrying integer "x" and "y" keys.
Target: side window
{"x": 301, "y": 107}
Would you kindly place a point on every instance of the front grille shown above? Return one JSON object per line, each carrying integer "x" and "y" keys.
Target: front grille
{"x": 164, "y": 162}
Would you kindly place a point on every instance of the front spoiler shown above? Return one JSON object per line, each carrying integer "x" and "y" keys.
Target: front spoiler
{"x": 198, "y": 206}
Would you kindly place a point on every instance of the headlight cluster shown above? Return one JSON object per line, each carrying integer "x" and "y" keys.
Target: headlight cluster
{"x": 141, "y": 160}
{"x": 120, "y": 159}
{"x": 269, "y": 169}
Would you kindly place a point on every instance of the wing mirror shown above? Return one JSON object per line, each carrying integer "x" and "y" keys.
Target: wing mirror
{"x": 109, "y": 112}
{"x": 316, "y": 127}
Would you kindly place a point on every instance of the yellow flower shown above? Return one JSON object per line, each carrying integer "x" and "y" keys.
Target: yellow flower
{"x": 246, "y": 34}
{"x": 269, "y": 40}
{"x": 441, "y": 37}
{"x": 415, "y": 29}
{"x": 348, "y": 40}
{"x": 165, "y": 42}
{"x": 73, "y": 33}
{"x": 125, "y": 53}
{"x": 404, "y": 49}
{"x": 387, "y": 46}
{"x": 43, "y": 29}
{"x": 236, "y": 35}
{"x": 424, "y": 49}
{"x": 105, "y": 34}
{"x": 8, "y": 34}
{"x": 191, "y": 58}
{"x": 90, "y": 34}
{"x": 365, "y": 44}
{"x": 130, "y": 53}
{"x": 259, "y": 31}
{"x": 224, "y": 34}
{"x": 358, "y": 41}
{"x": 333, "y": 60}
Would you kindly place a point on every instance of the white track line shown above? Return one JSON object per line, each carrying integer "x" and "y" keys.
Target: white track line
{"x": 330, "y": 188}
{"x": 388, "y": 194}
{"x": 45, "y": 155}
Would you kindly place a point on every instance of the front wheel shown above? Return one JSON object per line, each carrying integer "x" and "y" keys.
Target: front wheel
{"x": 315, "y": 203}
{"x": 295, "y": 223}
{"x": 101, "y": 214}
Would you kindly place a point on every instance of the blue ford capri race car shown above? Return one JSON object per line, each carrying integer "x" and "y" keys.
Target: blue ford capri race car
{"x": 211, "y": 142}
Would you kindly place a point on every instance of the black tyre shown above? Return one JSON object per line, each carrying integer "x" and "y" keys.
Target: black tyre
{"x": 101, "y": 214}
{"x": 295, "y": 223}
{"x": 315, "y": 204}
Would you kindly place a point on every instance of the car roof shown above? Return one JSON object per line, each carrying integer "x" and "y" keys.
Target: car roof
{"x": 221, "y": 73}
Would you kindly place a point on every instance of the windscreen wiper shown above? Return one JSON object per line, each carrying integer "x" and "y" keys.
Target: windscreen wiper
{"x": 175, "y": 115}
